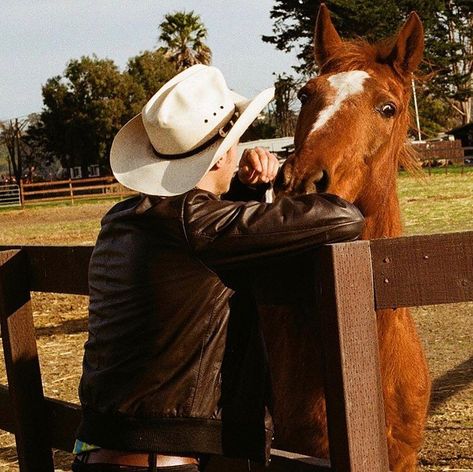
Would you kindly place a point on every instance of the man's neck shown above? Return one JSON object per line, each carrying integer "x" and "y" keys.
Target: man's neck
{"x": 210, "y": 183}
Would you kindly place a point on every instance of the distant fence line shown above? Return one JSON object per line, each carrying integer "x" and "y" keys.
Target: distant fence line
{"x": 443, "y": 153}
{"x": 72, "y": 189}
{"x": 431, "y": 154}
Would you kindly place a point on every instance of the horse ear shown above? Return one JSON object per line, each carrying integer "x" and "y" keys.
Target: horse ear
{"x": 409, "y": 46}
{"x": 325, "y": 37}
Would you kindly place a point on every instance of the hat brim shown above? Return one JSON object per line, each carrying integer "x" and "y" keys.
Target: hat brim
{"x": 136, "y": 166}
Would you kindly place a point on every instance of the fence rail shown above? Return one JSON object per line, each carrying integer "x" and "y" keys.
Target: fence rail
{"x": 10, "y": 195}
{"x": 72, "y": 189}
{"x": 356, "y": 278}
{"x": 443, "y": 154}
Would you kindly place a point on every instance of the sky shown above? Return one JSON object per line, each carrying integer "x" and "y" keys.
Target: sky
{"x": 39, "y": 37}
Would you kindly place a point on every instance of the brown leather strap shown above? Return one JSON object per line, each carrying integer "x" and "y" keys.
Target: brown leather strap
{"x": 222, "y": 132}
{"x": 137, "y": 459}
{"x": 152, "y": 459}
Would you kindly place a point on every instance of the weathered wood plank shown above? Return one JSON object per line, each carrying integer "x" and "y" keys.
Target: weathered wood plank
{"x": 398, "y": 264}
{"x": 22, "y": 365}
{"x": 281, "y": 461}
{"x": 58, "y": 269}
{"x": 63, "y": 419}
{"x": 423, "y": 270}
{"x": 7, "y": 419}
{"x": 345, "y": 307}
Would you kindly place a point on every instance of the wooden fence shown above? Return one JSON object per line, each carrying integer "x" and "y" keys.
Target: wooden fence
{"x": 441, "y": 153}
{"x": 9, "y": 195}
{"x": 355, "y": 279}
{"x": 72, "y": 189}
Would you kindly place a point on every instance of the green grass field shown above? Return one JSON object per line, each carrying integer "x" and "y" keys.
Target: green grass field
{"x": 437, "y": 204}
{"x": 433, "y": 204}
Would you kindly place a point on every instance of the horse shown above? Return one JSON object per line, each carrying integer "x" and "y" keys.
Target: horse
{"x": 350, "y": 140}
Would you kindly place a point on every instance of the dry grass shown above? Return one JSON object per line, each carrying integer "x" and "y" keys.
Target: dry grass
{"x": 440, "y": 204}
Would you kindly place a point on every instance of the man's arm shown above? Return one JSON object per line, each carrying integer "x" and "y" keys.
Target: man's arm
{"x": 227, "y": 234}
{"x": 256, "y": 170}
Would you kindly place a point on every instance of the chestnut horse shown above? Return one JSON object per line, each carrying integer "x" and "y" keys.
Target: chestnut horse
{"x": 350, "y": 140}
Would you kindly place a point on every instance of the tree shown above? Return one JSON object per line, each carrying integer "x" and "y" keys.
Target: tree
{"x": 39, "y": 161}
{"x": 85, "y": 108}
{"x": 448, "y": 25}
{"x": 11, "y": 136}
{"x": 262, "y": 128}
{"x": 285, "y": 96}
{"x": 150, "y": 70}
{"x": 450, "y": 50}
{"x": 183, "y": 35}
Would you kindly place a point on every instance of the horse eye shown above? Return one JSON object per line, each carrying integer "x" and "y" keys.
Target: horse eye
{"x": 388, "y": 110}
{"x": 303, "y": 97}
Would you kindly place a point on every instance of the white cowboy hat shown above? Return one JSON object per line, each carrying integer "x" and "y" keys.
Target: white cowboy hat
{"x": 182, "y": 132}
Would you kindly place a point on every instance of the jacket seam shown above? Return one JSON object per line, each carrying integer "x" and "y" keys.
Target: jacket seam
{"x": 298, "y": 230}
{"x": 189, "y": 245}
{"x": 201, "y": 262}
{"x": 199, "y": 373}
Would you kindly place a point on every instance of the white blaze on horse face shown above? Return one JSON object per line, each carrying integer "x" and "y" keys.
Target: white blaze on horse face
{"x": 346, "y": 85}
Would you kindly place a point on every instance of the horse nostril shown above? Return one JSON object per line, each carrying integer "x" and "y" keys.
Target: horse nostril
{"x": 321, "y": 182}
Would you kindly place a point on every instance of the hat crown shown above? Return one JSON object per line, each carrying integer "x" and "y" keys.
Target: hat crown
{"x": 189, "y": 113}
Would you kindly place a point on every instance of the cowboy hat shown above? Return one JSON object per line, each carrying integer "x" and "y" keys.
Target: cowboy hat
{"x": 183, "y": 130}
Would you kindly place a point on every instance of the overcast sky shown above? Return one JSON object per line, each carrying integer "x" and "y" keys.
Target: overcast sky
{"x": 38, "y": 37}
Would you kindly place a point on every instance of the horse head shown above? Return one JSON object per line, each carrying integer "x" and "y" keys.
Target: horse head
{"x": 354, "y": 117}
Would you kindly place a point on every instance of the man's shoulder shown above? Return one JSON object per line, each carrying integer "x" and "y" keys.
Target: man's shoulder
{"x": 123, "y": 207}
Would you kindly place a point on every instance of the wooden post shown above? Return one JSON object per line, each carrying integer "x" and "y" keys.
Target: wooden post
{"x": 71, "y": 191}
{"x": 22, "y": 198}
{"x": 22, "y": 365}
{"x": 345, "y": 307}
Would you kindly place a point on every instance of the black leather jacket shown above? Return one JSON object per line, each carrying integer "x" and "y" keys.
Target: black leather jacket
{"x": 175, "y": 361}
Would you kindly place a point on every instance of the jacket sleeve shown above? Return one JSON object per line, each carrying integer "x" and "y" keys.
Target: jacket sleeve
{"x": 225, "y": 234}
{"x": 241, "y": 192}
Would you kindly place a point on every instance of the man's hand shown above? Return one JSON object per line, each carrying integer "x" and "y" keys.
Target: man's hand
{"x": 257, "y": 166}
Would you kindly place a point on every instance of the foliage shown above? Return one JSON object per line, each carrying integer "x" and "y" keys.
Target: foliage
{"x": 11, "y": 137}
{"x": 450, "y": 56}
{"x": 150, "y": 70}
{"x": 262, "y": 128}
{"x": 4, "y": 161}
{"x": 285, "y": 97}
{"x": 40, "y": 162}
{"x": 435, "y": 115}
{"x": 280, "y": 120}
{"x": 183, "y": 35}
{"x": 85, "y": 108}
{"x": 449, "y": 29}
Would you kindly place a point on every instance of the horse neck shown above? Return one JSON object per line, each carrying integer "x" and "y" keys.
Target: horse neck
{"x": 386, "y": 221}
{"x": 380, "y": 203}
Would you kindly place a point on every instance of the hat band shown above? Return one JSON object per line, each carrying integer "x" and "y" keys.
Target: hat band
{"x": 222, "y": 133}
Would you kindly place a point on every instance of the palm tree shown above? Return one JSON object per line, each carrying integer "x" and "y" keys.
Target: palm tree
{"x": 183, "y": 35}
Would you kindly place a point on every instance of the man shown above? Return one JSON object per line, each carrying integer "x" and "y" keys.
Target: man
{"x": 174, "y": 367}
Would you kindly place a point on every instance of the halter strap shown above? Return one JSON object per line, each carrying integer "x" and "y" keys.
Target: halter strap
{"x": 221, "y": 133}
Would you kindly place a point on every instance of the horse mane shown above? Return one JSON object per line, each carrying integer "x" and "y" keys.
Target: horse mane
{"x": 351, "y": 55}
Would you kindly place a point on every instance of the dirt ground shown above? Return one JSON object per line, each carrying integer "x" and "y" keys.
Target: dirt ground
{"x": 446, "y": 332}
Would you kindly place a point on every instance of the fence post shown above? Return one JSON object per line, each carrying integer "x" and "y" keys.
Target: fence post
{"x": 22, "y": 198}
{"x": 22, "y": 365}
{"x": 345, "y": 307}
{"x": 71, "y": 191}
